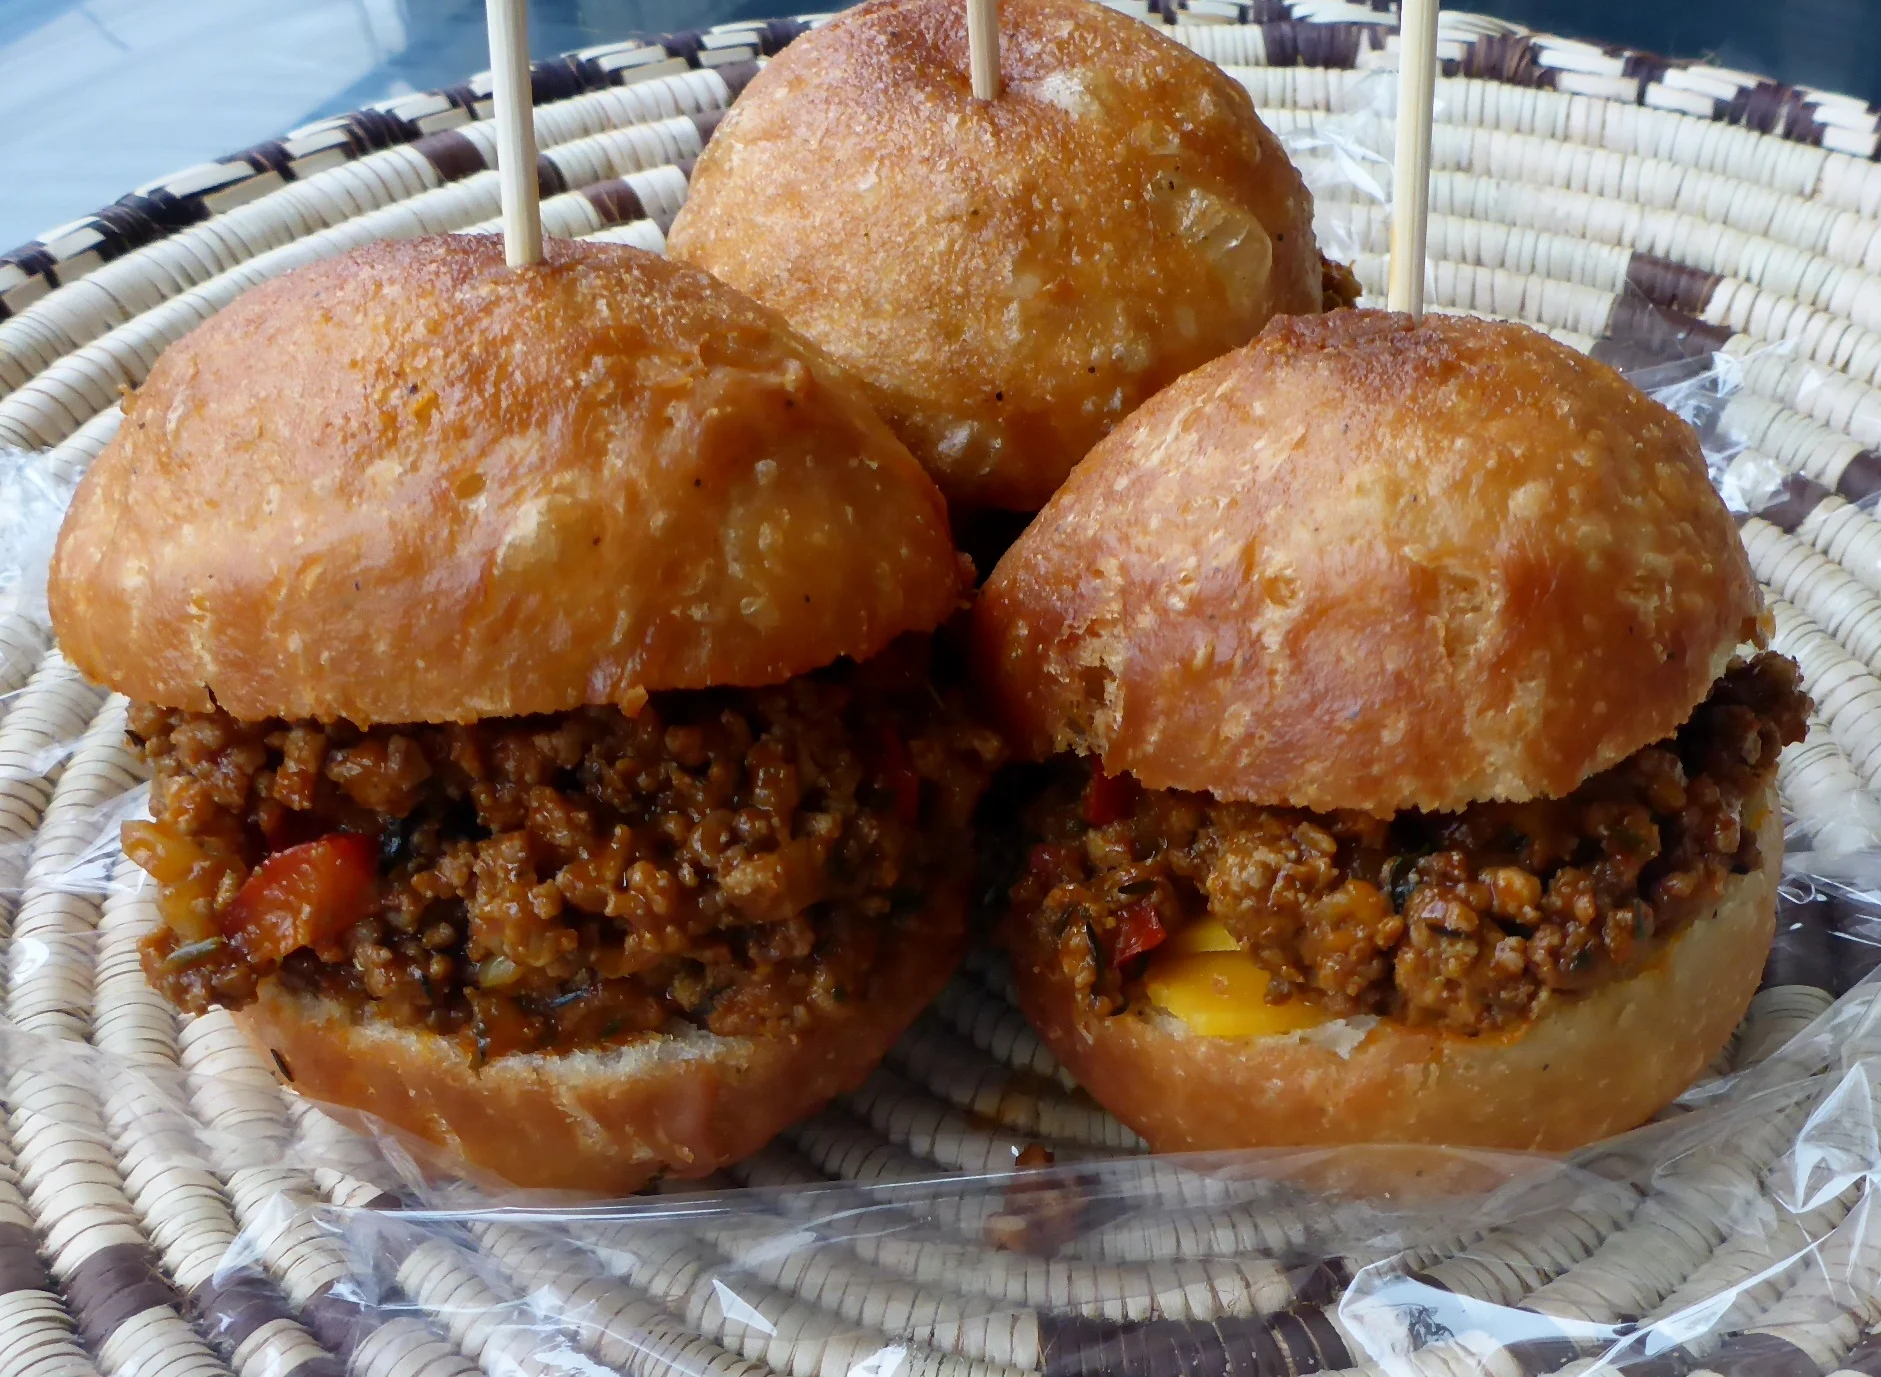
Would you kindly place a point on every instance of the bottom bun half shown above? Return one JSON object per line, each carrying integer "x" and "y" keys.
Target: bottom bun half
{"x": 608, "y": 1121}
{"x": 1587, "y": 1067}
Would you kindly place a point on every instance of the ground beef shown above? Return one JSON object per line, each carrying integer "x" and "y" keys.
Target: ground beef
{"x": 1339, "y": 286}
{"x": 1465, "y": 920}
{"x": 734, "y": 859}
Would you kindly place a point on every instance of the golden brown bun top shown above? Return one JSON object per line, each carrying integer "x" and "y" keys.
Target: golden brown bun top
{"x": 412, "y": 484}
{"x": 1014, "y": 276}
{"x": 1369, "y": 564}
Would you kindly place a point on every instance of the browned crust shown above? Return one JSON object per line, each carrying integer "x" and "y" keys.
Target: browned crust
{"x": 608, "y": 1122}
{"x": 1012, "y": 277}
{"x": 1588, "y": 1067}
{"x": 412, "y": 484}
{"x": 1365, "y": 564}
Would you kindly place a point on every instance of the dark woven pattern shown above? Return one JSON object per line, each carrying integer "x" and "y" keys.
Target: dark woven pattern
{"x": 196, "y": 193}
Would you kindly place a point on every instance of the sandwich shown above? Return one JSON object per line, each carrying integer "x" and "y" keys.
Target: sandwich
{"x": 1010, "y": 278}
{"x": 1407, "y": 758}
{"x": 536, "y": 676}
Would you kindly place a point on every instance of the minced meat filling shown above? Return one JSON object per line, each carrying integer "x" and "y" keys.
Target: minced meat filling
{"x": 1464, "y": 920}
{"x": 731, "y": 858}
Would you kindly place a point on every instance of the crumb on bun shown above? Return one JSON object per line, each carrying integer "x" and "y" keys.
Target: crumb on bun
{"x": 1588, "y": 1066}
{"x": 1373, "y": 564}
{"x": 1011, "y": 277}
{"x": 413, "y": 484}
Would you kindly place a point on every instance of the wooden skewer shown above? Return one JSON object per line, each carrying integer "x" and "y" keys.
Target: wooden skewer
{"x": 983, "y": 47}
{"x": 1410, "y": 182}
{"x": 515, "y": 131}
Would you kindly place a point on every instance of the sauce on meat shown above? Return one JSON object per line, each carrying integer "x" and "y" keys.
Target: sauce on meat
{"x": 733, "y": 859}
{"x": 1461, "y": 920}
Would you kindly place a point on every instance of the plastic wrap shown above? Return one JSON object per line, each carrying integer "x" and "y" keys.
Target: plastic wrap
{"x": 33, "y": 497}
{"x": 1739, "y": 1227}
{"x": 967, "y": 1213}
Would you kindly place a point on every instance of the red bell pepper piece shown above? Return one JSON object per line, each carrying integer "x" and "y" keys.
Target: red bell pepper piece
{"x": 1108, "y": 798}
{"x": 304, "y": 896}
{"x": 1139, "y": 930}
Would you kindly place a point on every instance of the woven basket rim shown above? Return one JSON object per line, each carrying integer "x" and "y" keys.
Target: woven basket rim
{"x": 1766, "y": 106}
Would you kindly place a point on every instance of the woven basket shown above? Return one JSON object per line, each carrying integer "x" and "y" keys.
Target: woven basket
{"x": 1647, "y": 211}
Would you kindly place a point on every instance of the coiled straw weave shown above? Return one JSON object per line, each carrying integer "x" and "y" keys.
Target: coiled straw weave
{"x": 167, "y": 1210}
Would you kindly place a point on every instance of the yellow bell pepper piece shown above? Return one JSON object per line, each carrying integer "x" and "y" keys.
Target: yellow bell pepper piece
{"x": 1207, "y": 935}
{"x": 1223, "y": 994}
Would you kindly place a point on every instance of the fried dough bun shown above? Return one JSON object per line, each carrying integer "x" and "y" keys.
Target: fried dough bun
{"x": 1586, "y": 1067}
{"x": 1011, "y": 277}
{"x": 608, "y": 1121}
{"x": 411, "y": 484}
{"x": 1365, "y": 563}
